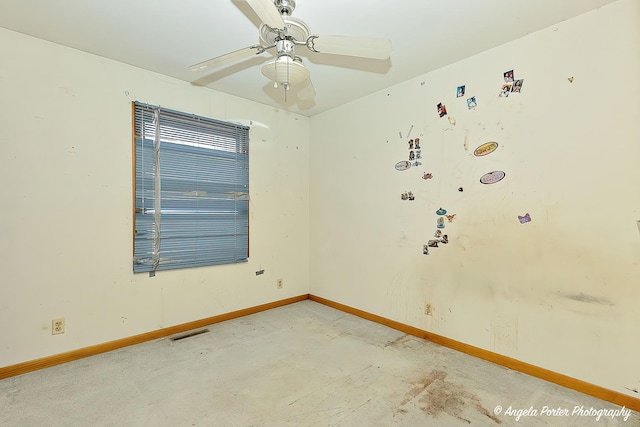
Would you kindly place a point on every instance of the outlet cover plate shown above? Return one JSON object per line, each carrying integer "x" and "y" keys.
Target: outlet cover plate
{"x": 57, "y": 326}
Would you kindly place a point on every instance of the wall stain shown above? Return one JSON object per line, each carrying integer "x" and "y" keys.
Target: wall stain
{"x": 436, "y": 396}
{"x": 582, "y": 297}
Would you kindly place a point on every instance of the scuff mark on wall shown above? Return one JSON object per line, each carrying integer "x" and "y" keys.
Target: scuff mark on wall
{"x": 590, "y": 299}
{"x": 505, "y": 334}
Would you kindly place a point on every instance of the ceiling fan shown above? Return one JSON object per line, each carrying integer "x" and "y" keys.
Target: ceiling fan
{"x": 280, "y": 31}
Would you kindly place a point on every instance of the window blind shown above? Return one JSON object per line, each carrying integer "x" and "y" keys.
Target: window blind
{"x": 191, "y": 190}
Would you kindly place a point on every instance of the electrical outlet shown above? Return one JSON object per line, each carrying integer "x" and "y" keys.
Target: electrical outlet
{"x": 428, "y": 309}
{"x": 57, "y": 326}
{"x": 279, "y": 283}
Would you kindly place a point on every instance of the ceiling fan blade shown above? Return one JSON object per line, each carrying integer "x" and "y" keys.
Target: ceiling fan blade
{"x": 306, "y": 91}
{"x": 218, "y": 61}
{"x": 364, "y": 47}
{"x": 267, "y": 12}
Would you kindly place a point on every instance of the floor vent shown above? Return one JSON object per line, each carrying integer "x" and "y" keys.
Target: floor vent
{"x": 189, "y": 335}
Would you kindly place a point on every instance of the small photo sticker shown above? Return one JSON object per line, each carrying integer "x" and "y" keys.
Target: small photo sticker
{"x": 442, "y": 110}
{"x": 492, "y": 177}
{"x": 508, "y": 76}
{"x": 504, "y": 92}
{"x": 517, "y": 86}
{"x": 402, "y": 166}
{"x": 524, "y": 219}
{"x": 460, "y": 91}
{"x": 472, "y": 103}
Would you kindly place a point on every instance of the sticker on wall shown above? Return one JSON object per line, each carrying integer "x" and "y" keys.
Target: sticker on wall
{"x": 418, "y": 154}
{"x": 425, "y": 249}
{"x": 427, "y": 175}
{"x": 441, "y": 211}
{"x": 442, "y": 110}
{"x": 570, "y": 79}
{"x": 450, "y": 217}
{"x": 492, "y": 177}
{"x": 407, "y": 195}
{"x": 460, "y": 91}
{"x": 440, "y": 223}
{"x": 524, "y": 219}
{"x": 445, "y": 239}
{"x": 508, "y": 76}
{"x": 472, "y": 103}
{"x": 403, "y": 166}
{"x": 504, "y": 92}
{"x": 411, "y": 144}
{"x": 412, "y": 155}
{"x": 517, "y": 86}
{"x": 432, "y": 243}
{"x": 486, "y": 148}
{"x": 417, "y": 143}
{"x": 437, "y": 234}
{"x": 452, "y": 120}
{"x": 460, "y": 189}
{"x": 416, "y": 163}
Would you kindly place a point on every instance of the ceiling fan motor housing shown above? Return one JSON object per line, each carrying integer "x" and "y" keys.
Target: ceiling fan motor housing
{"x": 285, "y": 47}
{"x": 295, "y": 29}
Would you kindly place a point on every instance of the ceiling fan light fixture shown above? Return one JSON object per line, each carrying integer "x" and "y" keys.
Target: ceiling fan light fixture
{"x": 285, "y": 71}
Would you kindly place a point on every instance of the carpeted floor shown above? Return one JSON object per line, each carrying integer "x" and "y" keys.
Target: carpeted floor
{"x": 304, "y": 364}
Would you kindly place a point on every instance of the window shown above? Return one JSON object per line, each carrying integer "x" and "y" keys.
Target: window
{"x": 191, "y": 190}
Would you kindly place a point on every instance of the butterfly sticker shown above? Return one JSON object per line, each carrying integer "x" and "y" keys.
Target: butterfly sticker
{"x": 524, "y": 219}
{"x": 450, "y": 217}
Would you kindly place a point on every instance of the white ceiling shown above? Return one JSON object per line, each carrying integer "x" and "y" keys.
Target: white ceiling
{"x": 167, "y": 36}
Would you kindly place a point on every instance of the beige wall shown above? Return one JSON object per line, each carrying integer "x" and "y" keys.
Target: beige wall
{"x": 560, "y": 292}
{"x": 66, "y": 203}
